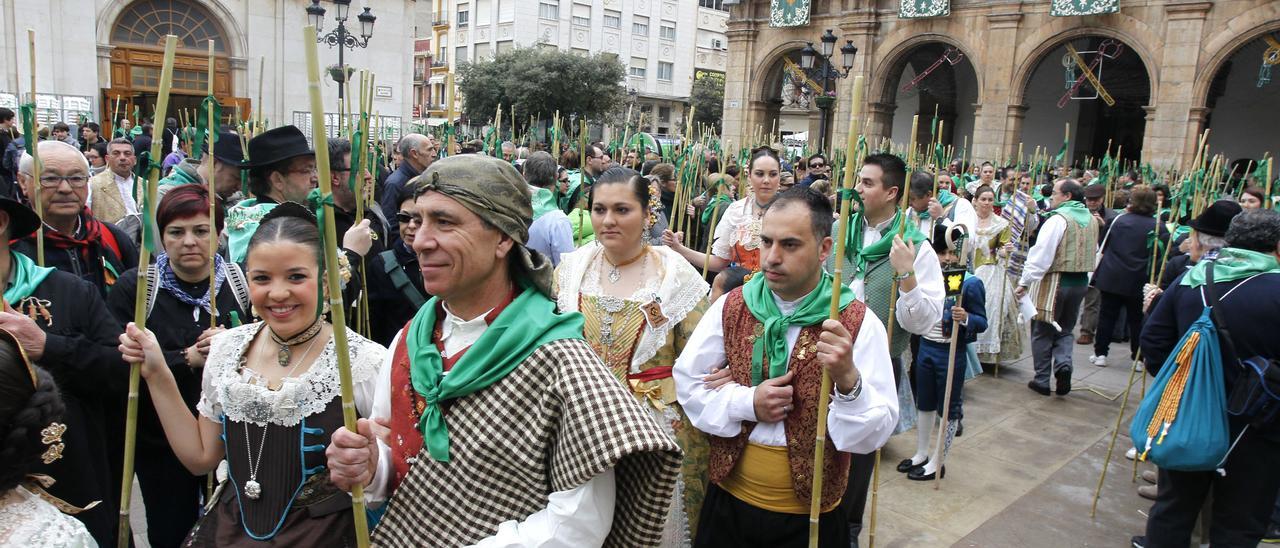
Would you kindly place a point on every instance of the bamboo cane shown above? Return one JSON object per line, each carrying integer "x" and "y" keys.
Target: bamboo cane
{"x": 33, "y": 142}
{"x": 1268, "y": 205}
{"x": 320, "y": 141}
{"x": 824, "y": 395}
{"x": 140, "y": 302}
{"x": 213, "y": 233}
{"x": 262, "y": 61}
{"x": 453, "y": 139}
{"x": 911, "y": 152}
{"x": 715, "y": 218}
{"x": 1124, "y": 402}
{"x": 944, "y": 415}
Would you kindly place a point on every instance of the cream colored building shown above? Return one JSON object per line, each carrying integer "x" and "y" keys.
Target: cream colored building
{"x": 91, "y": 52}
{"x": 1174, "y": 68}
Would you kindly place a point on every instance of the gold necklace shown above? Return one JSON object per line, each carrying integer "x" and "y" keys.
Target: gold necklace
{"x": 614, "y": 275}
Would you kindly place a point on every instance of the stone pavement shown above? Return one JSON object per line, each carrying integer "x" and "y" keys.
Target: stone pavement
{"x": 1025, "y": 471}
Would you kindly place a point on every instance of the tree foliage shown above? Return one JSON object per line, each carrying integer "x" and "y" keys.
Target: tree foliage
{"x": 707, "y": 98}
{"x": 538, "y": 82}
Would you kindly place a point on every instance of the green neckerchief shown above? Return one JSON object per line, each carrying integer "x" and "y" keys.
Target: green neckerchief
{"x": 1076, "y": 211}
{"x": 529, "y": 322}
{"x": 1035, "y": 193}
{"x": 773, "y": 340}
{"x": 860, "y": 256}
{"x": 544, "y": 201}
{"x": 1232, "y": 264}
{"x": 709, "y": 210}
{"x": 24, "y": 277}
{"x": 945, "y": 198}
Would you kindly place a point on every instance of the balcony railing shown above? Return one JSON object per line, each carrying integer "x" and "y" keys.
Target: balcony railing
{"x": 439, "y": 63}
{"x": 419, "y": 74}
{"x": 440, "y": 19}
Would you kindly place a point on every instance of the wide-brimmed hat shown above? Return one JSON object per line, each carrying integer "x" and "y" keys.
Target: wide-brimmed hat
{"x": 1216, "y": 218}
{"x": 275, "y": 145}
{"x": 1095, "y": 191}
{"x": 22, "y": 220}
{"x": 227, "y": 150}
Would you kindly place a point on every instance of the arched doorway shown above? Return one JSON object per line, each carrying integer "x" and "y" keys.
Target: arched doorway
{"x": 1051, "y": 102}
{"x": 788, "y": 103}
{"x": 932, "y": 77}
{"x": 138, "y": 35}
{"x": 1243, "y": 101}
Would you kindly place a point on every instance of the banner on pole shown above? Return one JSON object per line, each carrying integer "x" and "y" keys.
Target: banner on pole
{"x": 914, "y": 9}
{"x": 1068, "y": 8}
{"x": 789, "y": 13}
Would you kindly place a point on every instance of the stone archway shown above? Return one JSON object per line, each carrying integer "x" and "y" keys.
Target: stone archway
{"x": 782, "y": 100}
{"x": 1125, "y": 74}
{"x": 1237, "y": 103}
{"x": 949, "y": 89}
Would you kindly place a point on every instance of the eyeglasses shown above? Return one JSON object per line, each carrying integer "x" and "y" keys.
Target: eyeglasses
{"x": 405, "y": 218}
{"x": 54, "y": 181}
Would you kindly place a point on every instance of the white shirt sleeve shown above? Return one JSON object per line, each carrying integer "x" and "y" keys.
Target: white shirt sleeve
{"x": 965, "y": 215}
{"x": 865, "y": 424}
{"x": 1040, "y": 257}
{"x": 581, "y": 516}
{"x": 722, "y": 245}
{"x": 376, "y": 492}
{"x": 715, "y": 412}
{"x": 919, "y": 309}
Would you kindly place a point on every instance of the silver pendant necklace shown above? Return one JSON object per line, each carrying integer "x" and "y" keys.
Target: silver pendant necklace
{"x": 252, "y": 488}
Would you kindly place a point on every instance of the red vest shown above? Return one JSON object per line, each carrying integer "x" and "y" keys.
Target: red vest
{"x": 801, "y": 423}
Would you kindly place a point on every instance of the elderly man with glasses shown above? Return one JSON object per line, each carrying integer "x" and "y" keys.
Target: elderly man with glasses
{"x": 74, "y": 240}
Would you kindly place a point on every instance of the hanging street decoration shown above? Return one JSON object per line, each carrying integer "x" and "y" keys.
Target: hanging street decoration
{"x": 951, "y": 56}
{"x": 1088, "y": 74}
{"x": 914, "y": 9}
{"x": 1068, "y": 8}
{"x": 1270, "y": 58}
{"x": 789, "y": 13}
{"x": 1109, "y": 49}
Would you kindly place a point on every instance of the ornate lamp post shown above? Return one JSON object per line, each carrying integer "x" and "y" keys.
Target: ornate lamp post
{"x": 825, "y": 74}
{"x": 340, "y": 36}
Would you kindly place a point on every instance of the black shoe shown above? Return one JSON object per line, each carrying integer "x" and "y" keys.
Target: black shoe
{"x": 1273, "y": 535}
{"x": 906, "y": 465}
{"x": 1063, "y": 377}
{"x": 1042, "y": 390}
{"x": 917, "y": 474}
{"x": 959, "y": 428}
{"x": 1138, "y": 542}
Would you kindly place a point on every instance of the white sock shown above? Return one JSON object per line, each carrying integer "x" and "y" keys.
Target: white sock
{"x": 934, "y": 458}
{"x": 924, "y": 437}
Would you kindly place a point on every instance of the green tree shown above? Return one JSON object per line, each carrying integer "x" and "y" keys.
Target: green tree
{"x": 539, "y": 82}
{"x": 707, "y": 98}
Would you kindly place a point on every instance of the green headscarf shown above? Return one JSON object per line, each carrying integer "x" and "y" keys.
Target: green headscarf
{"x": 529, "y": 322}
{"x": 773, "y": 340}
{"x": 1232, "y": 264}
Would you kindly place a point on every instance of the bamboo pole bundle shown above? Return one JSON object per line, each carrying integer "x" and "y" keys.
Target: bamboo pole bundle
{"x": 213, "y": 197}
{"x": 33, "y": 148}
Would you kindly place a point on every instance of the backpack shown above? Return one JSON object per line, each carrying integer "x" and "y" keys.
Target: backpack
{"x": 235, "y": 278}
{"x": 1181, "y": 424}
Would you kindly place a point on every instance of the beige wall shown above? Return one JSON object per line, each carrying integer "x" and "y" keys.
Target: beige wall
{"x": 1182, "y": 44}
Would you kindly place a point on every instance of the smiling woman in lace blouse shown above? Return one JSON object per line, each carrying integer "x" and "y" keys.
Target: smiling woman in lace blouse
{"x": 271, "y": 391}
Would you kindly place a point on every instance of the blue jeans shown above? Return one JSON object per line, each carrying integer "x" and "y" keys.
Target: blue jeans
{"x": 931, "y": 377}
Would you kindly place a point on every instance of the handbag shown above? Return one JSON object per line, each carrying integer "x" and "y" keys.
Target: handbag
{"x": 1255, "y": 396}
{"x": 1181, "y": 424}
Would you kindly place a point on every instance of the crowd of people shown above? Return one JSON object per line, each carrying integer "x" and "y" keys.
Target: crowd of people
{"x": 574, "y": 347}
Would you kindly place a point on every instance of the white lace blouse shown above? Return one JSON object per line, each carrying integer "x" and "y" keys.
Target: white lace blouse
{"x": 242, "y": 396}
{"x": 28, "y": 520}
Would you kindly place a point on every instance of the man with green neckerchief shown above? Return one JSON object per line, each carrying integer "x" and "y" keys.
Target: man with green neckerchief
{"x": 1060, "y": 263}
{"x": 504, "y": 427}
{"x": 946, "y": 208}
{"x": 879, "y": 250}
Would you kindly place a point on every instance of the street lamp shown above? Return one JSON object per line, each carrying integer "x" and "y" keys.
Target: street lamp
{"x": 825, "y": 72}
{"x": 340, "y": 36}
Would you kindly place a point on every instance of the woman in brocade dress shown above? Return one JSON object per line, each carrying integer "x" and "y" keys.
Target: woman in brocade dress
{"x": 1002, "y": 340}
{"x": 737, "y": 234}
{"x": 271, "y": 390}
{"x": 640, "y": 303}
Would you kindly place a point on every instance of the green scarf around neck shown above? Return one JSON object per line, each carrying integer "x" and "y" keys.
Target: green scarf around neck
{"x": 25, "y": 277}
{"x": 773, "y": 340}
{"x": 945, "y": 197}
{"x": 1232, "y": 264}
{"x": 1076, "y": 211}
{"x": 529, "y": 322}
{"x": 860, "y": 256}
{"x": 544, "y": 201}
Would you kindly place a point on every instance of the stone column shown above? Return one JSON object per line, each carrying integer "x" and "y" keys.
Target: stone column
{"x": 861, "y": 27}
{"x": 1169, "y": 139}
{"x": 995, "y": 134}
{"x": 738, "y": 107}
{"x": 1196, "y": 120}
{"x": 1015, "y": 115}
{"x": 879, "y": 121}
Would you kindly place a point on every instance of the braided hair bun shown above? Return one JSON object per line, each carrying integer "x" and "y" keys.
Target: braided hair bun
{"x": 25, "y": 410}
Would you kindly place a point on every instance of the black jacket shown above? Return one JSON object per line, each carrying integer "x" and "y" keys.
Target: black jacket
{"x": 391, "y": 309}
{"x": 393, "y": 191}
{"x": 101, "y": 269}
{"x": 80, "y": 352}
{"x": 1126, "y": 259}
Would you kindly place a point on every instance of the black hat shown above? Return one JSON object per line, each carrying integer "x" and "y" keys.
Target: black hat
{"x": 275, "y": 145}
{"x": 1216, "y": 218}
{"x": 22, "y": 220}
{"x": 1095, "y": 191}
{"x": 227, "y": 150}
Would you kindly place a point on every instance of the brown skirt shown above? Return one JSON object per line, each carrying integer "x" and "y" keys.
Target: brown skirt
{"x": 320, "y": 516}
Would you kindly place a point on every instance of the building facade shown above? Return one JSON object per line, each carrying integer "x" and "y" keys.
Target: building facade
{"x": 92, "y": 55}
{"x": 999, "y": 75}
{"x": 662, "y": 43}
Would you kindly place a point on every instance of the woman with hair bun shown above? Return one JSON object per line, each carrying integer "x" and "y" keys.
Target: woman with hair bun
{"x": 30, "y": 433}
{"x": 271, "y": 391}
